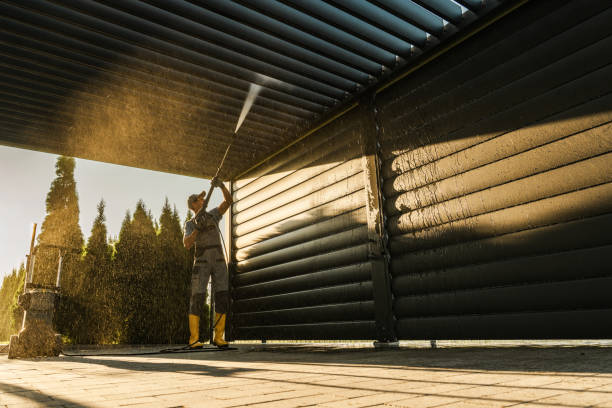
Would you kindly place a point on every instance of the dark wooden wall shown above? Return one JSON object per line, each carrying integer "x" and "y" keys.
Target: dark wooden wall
{"x": 497, "y": 178}
{"x": 491, "y": 168}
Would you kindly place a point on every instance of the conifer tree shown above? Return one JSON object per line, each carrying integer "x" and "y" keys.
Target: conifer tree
{"x": 16, "y": 310}
{"x": 98, "y": 325}
{"x": 6, "y": 292}
{"x": 145, "y": 265}
{"x": 98, "y": 248}
{"x": 136, "y": 266}
{"x": 61, "y": 224}
{"x": 61, "y": 228}
{"x": 174, "y": 277}
{"x": 124, "y": 240}
{"x": 10, "y": 312}
{"x": 120, "y": 275}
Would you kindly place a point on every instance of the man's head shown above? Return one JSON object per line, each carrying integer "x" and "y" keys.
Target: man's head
{"x": 196, "y": 201}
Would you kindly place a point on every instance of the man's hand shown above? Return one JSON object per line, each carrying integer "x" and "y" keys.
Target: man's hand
{"x": 189, "y": 240}
{"x": 215, "y": 182}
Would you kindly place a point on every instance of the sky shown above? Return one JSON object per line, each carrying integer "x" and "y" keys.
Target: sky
{"x": 26, "y": 177}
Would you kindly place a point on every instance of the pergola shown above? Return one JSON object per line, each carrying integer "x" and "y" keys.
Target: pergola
{"x": 159, "y": 84}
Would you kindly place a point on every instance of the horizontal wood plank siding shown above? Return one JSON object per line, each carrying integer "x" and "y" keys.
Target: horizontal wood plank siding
{"x": 498, "y": 180}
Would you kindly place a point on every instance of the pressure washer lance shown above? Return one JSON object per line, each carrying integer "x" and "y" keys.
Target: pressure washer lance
{"x": 198, "y": 217}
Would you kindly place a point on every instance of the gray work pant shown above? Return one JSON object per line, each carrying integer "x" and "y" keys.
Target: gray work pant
{"x": 211, "y": 263}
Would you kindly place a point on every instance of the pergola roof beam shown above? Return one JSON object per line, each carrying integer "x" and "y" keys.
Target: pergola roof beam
{"x": 245, "y": 18}
{"x": 191, "y": 102}
{"x": 414, "y": 14}
{"x": 447, "y": 9}
{"x": 162, "y": 51}
{"x": 323, "y": 30}
{"x": 385, "y": 24}
{"x": 188, "y": 18}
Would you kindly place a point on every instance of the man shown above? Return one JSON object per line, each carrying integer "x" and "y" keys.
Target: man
{"x": 209, "y": 260}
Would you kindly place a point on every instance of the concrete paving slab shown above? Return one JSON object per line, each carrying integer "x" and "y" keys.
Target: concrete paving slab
{"x": 286, "y": 376}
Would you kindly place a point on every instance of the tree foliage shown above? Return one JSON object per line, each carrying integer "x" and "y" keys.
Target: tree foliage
{"x": 60, "y": 226}
{"x": 135, "y": 269}
{"x": 95, "y": 297}
{"x": 174, "y": 277}
{"x": 10, "y": 313}
{"x": 61, "y": 236}
{"x": 134, "y": 289}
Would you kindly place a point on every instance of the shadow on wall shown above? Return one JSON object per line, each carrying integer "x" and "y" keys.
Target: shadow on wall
{"x": 495, "y": 161}
{"x": 316, "y": 273}
{"x": 496, "y": 174}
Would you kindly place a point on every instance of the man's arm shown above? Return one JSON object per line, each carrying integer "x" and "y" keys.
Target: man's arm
{"x": 190, "y": 237}
{"x": 227, "y": 199}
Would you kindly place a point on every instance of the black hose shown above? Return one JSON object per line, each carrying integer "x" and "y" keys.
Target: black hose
{"x": 184, "y": 349}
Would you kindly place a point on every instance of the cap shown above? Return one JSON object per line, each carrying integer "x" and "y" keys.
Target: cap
{"x": 193, "y": 198}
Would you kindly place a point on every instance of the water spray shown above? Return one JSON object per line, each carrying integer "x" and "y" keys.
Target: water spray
{"x": 254, "y": 90}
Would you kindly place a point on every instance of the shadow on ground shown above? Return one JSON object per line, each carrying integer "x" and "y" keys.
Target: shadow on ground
{"x": 579, "y": 359}
{"x": 35, "y": 396}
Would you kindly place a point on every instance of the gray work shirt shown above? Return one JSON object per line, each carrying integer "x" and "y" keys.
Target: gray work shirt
{"x": 209, "y": 238}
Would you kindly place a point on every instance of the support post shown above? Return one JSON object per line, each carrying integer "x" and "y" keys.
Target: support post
{"x": 211, "y": 314}
{"x": 377, "y": 236}
{"x": 229, "y": 327}
{"x": 30, "y": 260}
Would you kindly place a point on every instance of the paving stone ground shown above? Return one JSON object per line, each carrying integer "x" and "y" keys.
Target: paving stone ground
{"x": 309, "y": 375}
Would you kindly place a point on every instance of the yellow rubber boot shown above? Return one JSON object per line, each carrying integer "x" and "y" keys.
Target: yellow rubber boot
{"x": 219, "y": 330}
{"x": 194, "y": 331}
